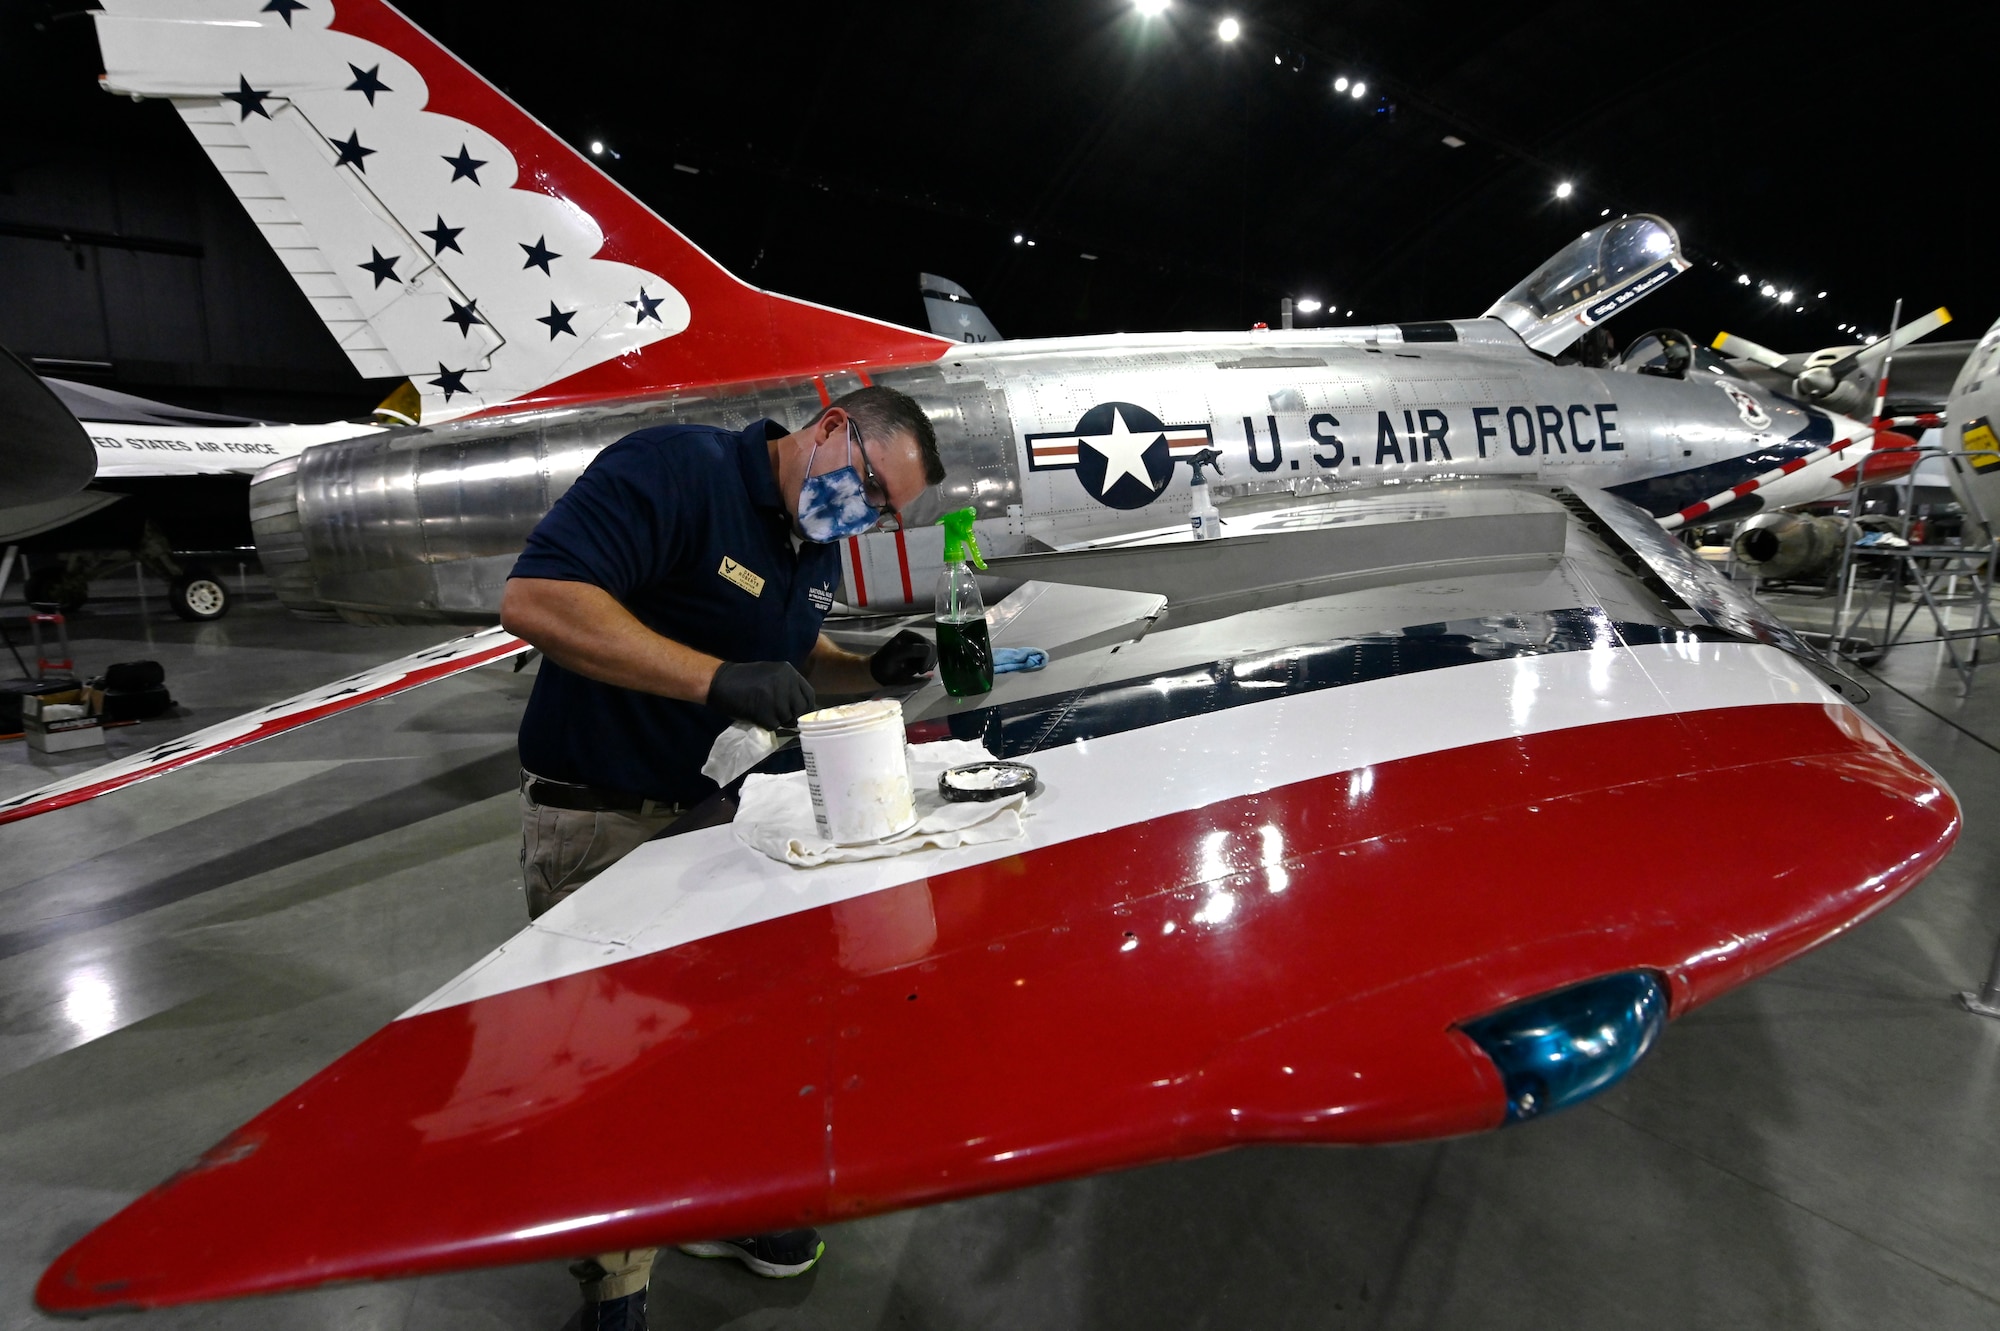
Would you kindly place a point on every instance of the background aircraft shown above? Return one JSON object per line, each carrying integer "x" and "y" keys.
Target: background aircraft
{"x": 951, "y": 311}
{"x": 170, "y": 492}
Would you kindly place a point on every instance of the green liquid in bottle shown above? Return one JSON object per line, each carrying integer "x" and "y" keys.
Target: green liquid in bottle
{"x": 965, "y": 658}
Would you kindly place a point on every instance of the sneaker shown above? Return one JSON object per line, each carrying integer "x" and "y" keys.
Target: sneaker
{"x": 626, "y": 1314}
{"x": 791, "y": 1252}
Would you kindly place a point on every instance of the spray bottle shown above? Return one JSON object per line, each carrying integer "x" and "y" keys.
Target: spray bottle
{"x": 1207, "y": 523}
{"x": 965, "y": 652}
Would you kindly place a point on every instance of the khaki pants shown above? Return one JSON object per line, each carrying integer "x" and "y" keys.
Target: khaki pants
{"x": 561, "y": 850}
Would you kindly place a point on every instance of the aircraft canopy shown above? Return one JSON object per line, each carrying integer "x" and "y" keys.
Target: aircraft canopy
{"x": 1590, "y": 279}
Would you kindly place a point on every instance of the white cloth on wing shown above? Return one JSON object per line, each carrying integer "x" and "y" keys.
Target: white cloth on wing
{"x": 737, "y": 750}
{"x": 774, "y": 814}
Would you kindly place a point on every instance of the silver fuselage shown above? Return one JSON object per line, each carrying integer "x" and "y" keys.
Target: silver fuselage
{"x": 425, "y": 523}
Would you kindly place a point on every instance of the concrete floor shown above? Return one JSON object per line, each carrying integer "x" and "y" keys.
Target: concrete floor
{"x": 1819, "y": 1149}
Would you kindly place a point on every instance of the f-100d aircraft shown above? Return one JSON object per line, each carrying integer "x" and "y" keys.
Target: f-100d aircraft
{"x": 1336, "y": 841}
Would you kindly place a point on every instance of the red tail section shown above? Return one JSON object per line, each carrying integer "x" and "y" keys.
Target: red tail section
{"x": 737, "y": 332}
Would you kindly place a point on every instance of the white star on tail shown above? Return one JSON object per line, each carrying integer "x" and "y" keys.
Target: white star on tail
{"x": 1124, "y": 453}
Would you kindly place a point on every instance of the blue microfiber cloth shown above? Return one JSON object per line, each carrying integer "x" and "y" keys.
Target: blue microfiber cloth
{"x": 1009, "y": 659}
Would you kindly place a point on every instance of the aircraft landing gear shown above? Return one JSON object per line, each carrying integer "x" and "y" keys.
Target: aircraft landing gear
{"x": 198, "y": 595}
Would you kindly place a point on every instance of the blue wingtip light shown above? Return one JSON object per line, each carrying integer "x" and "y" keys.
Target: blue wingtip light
{"x": 1560, "y": 1048}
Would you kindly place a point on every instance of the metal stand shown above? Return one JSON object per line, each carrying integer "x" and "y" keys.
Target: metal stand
{"x": 1985, "y": 1002}
{"x": 1924, "y": 567}
{"x": 43, "y": 663}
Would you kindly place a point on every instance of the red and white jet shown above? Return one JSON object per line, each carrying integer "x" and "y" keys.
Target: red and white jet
{"x": 1360, "y": 824}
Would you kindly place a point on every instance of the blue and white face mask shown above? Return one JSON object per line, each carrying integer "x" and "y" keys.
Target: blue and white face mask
{"x": 835, "y": 505}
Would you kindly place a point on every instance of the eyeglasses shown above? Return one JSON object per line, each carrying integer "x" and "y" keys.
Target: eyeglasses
{"x": 872, "y": 488}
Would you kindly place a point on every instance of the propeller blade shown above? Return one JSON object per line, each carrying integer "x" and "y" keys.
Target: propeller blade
{"x": 1870, "y": 356}
{"x": 1742, "y": 348}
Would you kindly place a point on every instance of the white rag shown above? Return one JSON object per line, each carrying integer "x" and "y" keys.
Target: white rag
{"x": 774, "y": 815}
{"x": 737, "y": 750}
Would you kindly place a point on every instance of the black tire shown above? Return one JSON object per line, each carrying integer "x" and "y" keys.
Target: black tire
{"x": 199, "y": 595}
{"x": 54, "y": 586}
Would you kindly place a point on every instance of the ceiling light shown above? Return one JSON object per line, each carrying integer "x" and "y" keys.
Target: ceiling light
{"x": 1768, "y": 290}
{"x": 1453, "y": 141}
{"x": 1150, "y": 8}
{"x": 1743, "y": 279}
{"x": 1605, "y": 213}
{"x": 1350, "y": 314}
{"x": 1821, "y": 296}
{"x": 1018, "y": 238}
{"x": 1277, "y": 60}
{"x": 1564, "y": 190}
{"x": 1307, "y": 305}
{"x": 1229, "y": 30}
{"x": 1784, "y": 298}
{"x": 1340, "y": 84}
{"x": 1358, "y": 88}
{"x": 596, "y": 148}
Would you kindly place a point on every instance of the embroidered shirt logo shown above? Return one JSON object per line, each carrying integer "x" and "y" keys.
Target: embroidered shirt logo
{"x": 821, "y": 598}
{"x": 741, "y": 576}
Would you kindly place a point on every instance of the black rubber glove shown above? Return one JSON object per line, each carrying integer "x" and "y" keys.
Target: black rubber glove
{"x": 770, "y": 694}
{"x": 907, "y": 656}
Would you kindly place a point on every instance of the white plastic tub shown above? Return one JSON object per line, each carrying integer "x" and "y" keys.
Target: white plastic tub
{"x": 858, "y": 769}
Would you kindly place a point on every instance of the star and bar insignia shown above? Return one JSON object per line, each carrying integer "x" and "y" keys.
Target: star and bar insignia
{"x": 1122, "y": 453}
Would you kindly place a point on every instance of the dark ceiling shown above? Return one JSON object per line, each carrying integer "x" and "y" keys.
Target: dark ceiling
{"x": 839, "y": 149}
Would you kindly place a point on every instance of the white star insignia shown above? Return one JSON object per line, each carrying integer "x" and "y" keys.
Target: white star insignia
{"x": 1124, "y": 453}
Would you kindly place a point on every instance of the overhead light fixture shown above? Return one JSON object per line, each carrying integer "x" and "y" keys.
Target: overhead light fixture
{"x": 1229, "y": 30}
{"x": 1307, "y": 305}
{"x": 1564, "y": 190}
{"x": 1768, "y": 290}
{"x": 1350, "y": 314}
{"x": 1340, "y": 84}
{"x": 1150, "y": 8}
{"x": 596, "y": 148}
{"x": 1018, "y": 237}
{"x": 1784, "y": 298}
{"x": 1605, "y": 213}
{"x": 1821, "y": 296}
{"x": 1087, "y": 256}
{"x": 1453, "y": 141}
{"x": 1358, "y": 88}
{"x": 1743, "y": 279}
{"x": 1277, "y": 60}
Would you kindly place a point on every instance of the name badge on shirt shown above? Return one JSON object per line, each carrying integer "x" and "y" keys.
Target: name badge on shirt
{"x": 821, "y": 598}
{"x": 741, "y": 576}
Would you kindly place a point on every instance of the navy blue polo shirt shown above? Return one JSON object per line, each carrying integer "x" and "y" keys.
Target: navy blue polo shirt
{"x": 683, "y": 525}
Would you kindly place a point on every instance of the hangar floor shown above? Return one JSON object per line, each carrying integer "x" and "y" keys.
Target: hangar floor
{"x": 1817, "y": 1150}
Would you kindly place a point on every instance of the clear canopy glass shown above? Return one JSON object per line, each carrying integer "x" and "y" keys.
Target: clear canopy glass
{"x": 1590, "y": 279}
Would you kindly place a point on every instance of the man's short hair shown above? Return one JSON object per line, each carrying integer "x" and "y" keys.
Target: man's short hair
{"x": 881, "y": 411}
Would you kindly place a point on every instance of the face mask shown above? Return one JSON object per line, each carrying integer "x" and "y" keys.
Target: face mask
{"x": 835, "y": 505}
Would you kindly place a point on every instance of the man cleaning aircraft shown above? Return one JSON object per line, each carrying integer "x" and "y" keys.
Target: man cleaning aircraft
{"x": 1334, "y": 836}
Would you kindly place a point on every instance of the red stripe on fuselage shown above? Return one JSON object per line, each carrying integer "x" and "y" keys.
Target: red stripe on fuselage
{"x": 1284, "y": 966}
{"x": 903, "y": 564}
{"x": 860, "y": 581}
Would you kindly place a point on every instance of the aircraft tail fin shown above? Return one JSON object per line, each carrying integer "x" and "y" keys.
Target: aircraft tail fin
{"x": 953, "y": 313}
{"x": 444, "y": 234}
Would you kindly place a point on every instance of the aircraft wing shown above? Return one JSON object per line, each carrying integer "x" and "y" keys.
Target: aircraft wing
{"x": 424, "y": 667}
{"x": 49, "y": 457}
{"x": 1314, "y": 869}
